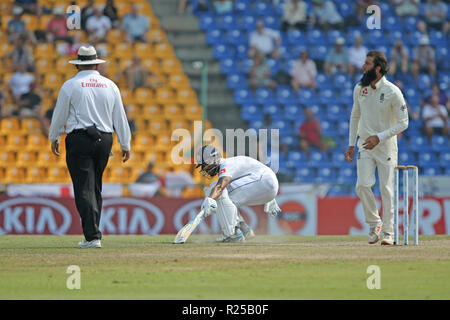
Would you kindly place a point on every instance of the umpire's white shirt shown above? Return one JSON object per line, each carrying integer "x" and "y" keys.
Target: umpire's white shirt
{"x": 381, "y": 111}
{"x": 86, "y": 99}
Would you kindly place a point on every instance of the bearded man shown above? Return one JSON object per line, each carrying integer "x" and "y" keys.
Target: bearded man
{"x": 378, "y": 115}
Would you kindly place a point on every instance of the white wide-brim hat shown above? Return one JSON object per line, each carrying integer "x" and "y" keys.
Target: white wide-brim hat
{"x": 87, "y": 55}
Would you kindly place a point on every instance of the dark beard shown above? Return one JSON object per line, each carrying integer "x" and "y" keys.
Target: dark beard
{"x": 368, "y": 77}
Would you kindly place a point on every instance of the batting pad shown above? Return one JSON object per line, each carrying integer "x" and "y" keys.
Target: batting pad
{"x": 227, "y": 214}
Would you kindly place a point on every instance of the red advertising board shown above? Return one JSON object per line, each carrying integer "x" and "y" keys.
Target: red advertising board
{"x": 302, "y": 215}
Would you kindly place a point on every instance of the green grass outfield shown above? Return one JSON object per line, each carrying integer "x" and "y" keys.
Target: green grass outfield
{"x": 265, "y": 267}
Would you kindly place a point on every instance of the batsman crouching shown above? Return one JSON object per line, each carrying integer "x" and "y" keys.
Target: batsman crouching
{"x": 243, "y": 181}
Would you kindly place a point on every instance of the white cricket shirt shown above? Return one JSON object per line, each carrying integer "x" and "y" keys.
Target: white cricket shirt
{"x": 240, "y": 166}
{"x": 86, "y": 99}
{"x": 381, "y": 111}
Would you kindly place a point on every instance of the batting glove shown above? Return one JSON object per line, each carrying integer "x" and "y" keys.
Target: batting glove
{"x": 209, "y": 205}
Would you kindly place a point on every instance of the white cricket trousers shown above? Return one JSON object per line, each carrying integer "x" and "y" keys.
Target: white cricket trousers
{"x": 254, "y": 189}
{"x": 366, "y": 164}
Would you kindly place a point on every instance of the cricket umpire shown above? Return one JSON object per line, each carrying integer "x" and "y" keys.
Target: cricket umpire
{"x": 379, "y": 114}
{"x": 89, "y": 109}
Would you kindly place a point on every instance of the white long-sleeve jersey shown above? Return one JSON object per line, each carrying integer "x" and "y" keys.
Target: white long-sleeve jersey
{"x": 381, "y": 111}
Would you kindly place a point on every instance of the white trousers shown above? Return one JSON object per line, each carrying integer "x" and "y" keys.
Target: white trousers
{"x": 254, "y": 189}
{"x": 366, "y": 164}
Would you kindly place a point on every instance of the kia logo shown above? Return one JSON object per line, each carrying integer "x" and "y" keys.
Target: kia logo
{"x": 34, "y": 215}
{"x": 129, "y": 216}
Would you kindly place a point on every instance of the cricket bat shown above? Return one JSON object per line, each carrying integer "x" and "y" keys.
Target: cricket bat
{"x": 186, "y": 231}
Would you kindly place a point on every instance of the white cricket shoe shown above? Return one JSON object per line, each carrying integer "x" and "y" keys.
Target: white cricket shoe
{"x": 246, "y": 230}
{"x": 387, "y": 240}
{"x": 374, "y": 234}
{"x": 272, "y": 208}
{"x": 90, "y": 244}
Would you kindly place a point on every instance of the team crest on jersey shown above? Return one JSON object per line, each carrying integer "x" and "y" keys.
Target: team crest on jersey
{"x": 365, "y": 92}
{"x": 222, "y": 171}
{"x": 381, "y": 97}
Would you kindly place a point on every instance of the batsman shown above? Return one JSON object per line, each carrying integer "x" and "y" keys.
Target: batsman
{"x": 243, "y": 181}
{"x": 379, "y": 114}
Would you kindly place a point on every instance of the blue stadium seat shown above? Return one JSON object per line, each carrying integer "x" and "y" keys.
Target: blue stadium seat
{"x": 213, "y": 37}
{"x": 241, "y": 51}
{"x": 328, "y": 128}
{"x": 444, "y": 159}
{"x": 440, "y": 143}
{"x": 298, "y": 157}
{"x": 376, "y": 38}
{"x": 410, "y": 23}
{"x": 242, "y": 7}
{"x": 236, "y": 37}
{"x": 336, "y": 112}
{"x": 289, "y": 140}
{"x": 256, "y": 124}
{"x": 295, "y": 37}
{"x": 207, "y": 22}
{"x": 264, "y": 96}
{"x": 271, "y": 22}
{"x": 285, "y": 95}
{"x": 272, "y": 110}
{"x": 345, "y": 9}
{"x": 228, "y": 66}
{"x": 392, "y": 23}
{"x": 424, "y": 81}
{"x": 343, "y": 128}
{"x": 427, "y": 158}
{"x": 412, "y": 95}
{"x": 283, "y": 126}
{"x": 316, "y": 37}
{"x": 418, "y": 144}
{"x": 296, "y": 50}
{"x": 248, "y": 23}
{"x": 327, "y": 96}
{"x": 338, "y": 159}
{"x": 347, "y": 176}
{"x": 437, "y": 38}
{"x": 236, "y": 81}
{"x": 341, "y": 81}
{"x": 246, "y": 65}
{"x": 346, "y": 97}
{"x": 406, "y": 158}
{"x": 288, "y": 64}
{"x": 333, "y": 35}
{"x": 307, "y": 97}
{"x": 431, "y": 170}
{"x": 227, "y": 22}
{"x": 414, "y": 38}
{"x": 293, "y": 112}
{"x": 326, "y": 175}
{"x": 319, "y": 159}
{"x": 261, "y": 8}
{"x": 319, "y": 52}
{"x": 221, "y": 51}
{"x": 394, "y": 36}
{"x": 251, "y": 112}
{"x": 304, "y": 175}
{"x": 323, "y": 81}
{"x": 243, "y": 96}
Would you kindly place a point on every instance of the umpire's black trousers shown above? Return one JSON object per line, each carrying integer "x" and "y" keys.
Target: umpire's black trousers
{"x": 86, "y": 160}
